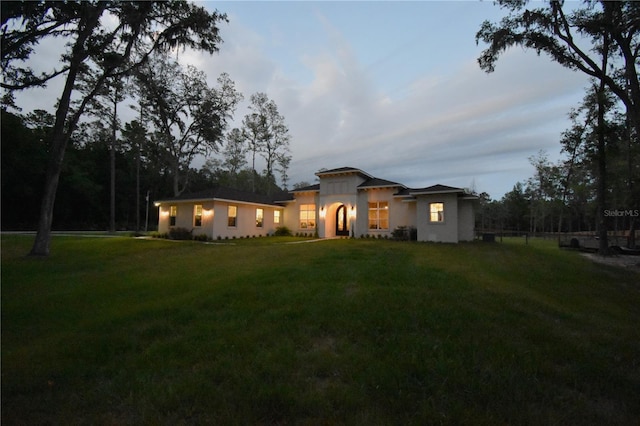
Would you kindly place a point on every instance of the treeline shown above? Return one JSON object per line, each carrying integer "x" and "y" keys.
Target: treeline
{"x": 83, "y": 197}
{"x": 112, "y": 171}
{"x": 596, "y": 186}
{"x": 562, "y": 196}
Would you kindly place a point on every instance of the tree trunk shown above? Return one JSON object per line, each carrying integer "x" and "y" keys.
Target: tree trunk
{"x": 138, "y": 187}
{"x": 112, "y": 161}
{"x": 603, "y": 243}
{"x": 60, "y": 136}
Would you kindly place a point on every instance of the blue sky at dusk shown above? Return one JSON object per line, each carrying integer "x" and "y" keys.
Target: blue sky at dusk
{"x": 392, "y": 88}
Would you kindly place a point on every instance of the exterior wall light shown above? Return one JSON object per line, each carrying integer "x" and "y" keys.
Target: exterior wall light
{"x": 352, "y": 212}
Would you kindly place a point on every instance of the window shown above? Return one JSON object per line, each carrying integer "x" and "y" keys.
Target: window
{"x": 436, "y": 212}
{"x": 197, "y": 215}
{"x": 259, "y": 217}
{"x": 276, "y": 217}
{"x": 232, "y": 215}
{"x": 173, "y": 212}
{"x": 307, "y": 216}
{"x": 379, "y": 215}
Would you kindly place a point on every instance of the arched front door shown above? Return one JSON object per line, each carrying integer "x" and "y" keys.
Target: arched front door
{"x": 342, "y": 227}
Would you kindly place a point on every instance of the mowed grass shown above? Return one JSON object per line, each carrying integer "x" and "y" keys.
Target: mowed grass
{"x": 126, "y": 331}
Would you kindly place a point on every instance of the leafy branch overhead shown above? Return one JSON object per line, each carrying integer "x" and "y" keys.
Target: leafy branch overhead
{"x": 574, "y": 39}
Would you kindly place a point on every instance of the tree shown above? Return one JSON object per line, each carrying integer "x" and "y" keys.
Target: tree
{"x": 283, "y": 161}
{"x": 135, "y": 136}
{"x": 235, "y": 152}
{"x": 104, "y": 107}
{"x": 614, "y": 35}
{"x": 612, "y": 28}
{"x": 110, "y": 36}
{"x": 23, "y": 160}
{"x": 515, "y": 204}
{"x": 267, "y": 134}
{"x": 189, "y": 118}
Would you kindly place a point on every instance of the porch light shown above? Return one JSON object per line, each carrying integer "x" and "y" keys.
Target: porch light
{"x": 157, "y": 204}
{"x": 207, "y": 212}
{"x": 352, "y": 212}
{"x": 323, "y": 212}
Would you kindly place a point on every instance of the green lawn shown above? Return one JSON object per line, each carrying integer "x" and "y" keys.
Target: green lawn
{"x": 128, "y": 331}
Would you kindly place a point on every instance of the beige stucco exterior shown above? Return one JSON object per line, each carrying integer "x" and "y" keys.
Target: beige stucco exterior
{"x": 339, "y": 205}
{"x": 215, "y": 218}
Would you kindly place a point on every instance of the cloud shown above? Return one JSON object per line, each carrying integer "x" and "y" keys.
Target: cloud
{"x": 441, "y": 122}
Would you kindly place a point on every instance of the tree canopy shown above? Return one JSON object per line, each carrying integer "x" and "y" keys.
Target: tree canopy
{"x": 106, "y": 39}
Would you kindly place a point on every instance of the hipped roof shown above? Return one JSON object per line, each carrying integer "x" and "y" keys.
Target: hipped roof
{"x": 230, "y": 194}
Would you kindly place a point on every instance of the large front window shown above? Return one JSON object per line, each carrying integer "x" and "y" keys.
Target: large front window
{"x": 197, "y": 215}
{"x": 173, "y": 212}
{"x": 232, "y": 215}
{"x": 307, "y": 216}
{"x": 379, "y": 215}
{"x": 259, "y": 217}
{"x": 436, "y": 212}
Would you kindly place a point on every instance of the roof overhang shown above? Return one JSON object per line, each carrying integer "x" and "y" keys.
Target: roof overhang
{"x": 158, "y": 203}
{"x": 343, "y": 171}
{"x": 460, "y": 191}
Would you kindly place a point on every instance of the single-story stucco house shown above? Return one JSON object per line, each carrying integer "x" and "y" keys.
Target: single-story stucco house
{"x": 346, "y": 202}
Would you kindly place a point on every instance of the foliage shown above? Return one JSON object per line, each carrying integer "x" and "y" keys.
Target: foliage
{"x": 122, "y": 331}
{"x": 189, "y": 118}
{"x": 405, "y": 233}
{"x": 24, "y": 159}
{"x": 178, "y": 233}
{"x": 266, "y": 134}
{"x": 96, "y": 49}
{"x": 609, "y": 28}
{"x": 602, "y": 40}
{"x": 283, "y": 231}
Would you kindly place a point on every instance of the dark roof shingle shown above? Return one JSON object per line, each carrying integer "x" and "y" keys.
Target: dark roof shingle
{"x": 226, "y": 193}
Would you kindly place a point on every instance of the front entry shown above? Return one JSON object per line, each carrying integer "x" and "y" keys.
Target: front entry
{"x": 342, "y": 228}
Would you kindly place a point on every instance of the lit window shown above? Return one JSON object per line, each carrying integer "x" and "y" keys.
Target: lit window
{"x": 232, "y": 214}
{"x": 436, "y": 212}
{"x": 307, "y": 216}
{"x": 197, "y": 215}
{"x": 259, "y": 217}
{"x": 173, "y": 212}
{"x": 276, "y": 216}
{"x": 379, "y": 215}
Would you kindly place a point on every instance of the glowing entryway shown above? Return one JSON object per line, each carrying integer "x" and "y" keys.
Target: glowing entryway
{"x": 342, "y": 224}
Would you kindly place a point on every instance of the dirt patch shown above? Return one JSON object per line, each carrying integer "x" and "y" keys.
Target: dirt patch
{"x": 631, "y": 263}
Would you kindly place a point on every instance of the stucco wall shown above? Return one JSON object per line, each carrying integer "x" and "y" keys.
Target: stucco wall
{"x": 215, "y": 219}
{"x": 446, "y": 231}
{"x": 292, "y": 211}
{"x": 400, "y": 213}
{"x": 335, "y": 185}
{"x": 185, "y": 217}
{"x": 466, "y": 220}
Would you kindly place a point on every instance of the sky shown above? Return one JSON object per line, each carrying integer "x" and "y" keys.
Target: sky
{"x": 392, "y": 88}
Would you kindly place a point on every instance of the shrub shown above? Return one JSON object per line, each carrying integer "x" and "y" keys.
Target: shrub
{"x": 201, "y": 237}
{"x": 180, "y": 234}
